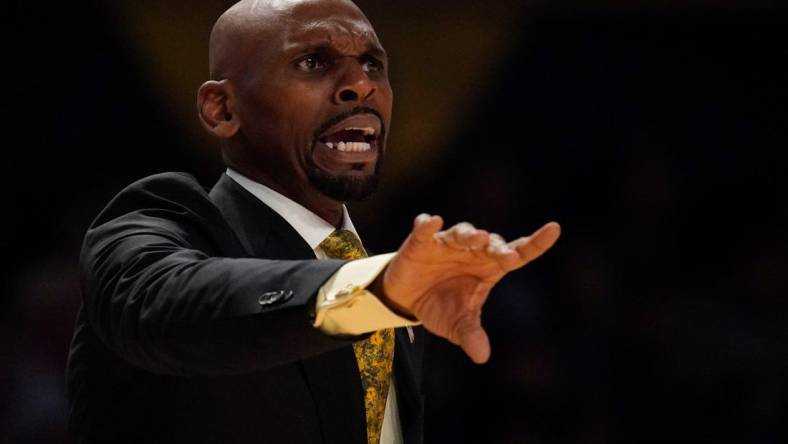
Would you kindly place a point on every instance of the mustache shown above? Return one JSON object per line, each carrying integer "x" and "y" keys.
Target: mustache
{"x": 351, "y": 112}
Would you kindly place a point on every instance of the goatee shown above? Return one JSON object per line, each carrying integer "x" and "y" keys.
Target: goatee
{"x": 344, "y": 188}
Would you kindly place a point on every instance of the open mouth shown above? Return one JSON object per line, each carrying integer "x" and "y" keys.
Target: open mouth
{"x": 356, "y": 134}
{"x": 351, "y": 139}
{"x": 353, "y": 144}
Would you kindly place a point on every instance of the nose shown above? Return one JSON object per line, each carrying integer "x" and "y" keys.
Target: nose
{"x": 354, "y": 85}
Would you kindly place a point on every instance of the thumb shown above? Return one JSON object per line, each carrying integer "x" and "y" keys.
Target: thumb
{"x": 473, "y": 339}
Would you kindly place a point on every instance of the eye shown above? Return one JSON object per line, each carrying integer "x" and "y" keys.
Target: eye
{"x": 372, "y": 64}
{"x": 312, "y": 63}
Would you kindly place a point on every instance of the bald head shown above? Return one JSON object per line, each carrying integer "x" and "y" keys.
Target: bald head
{"x": 241, "y": 30}
{"x": 300, "y": 98}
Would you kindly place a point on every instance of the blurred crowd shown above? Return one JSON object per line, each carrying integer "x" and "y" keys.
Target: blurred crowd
{"x": 652, "y": 134}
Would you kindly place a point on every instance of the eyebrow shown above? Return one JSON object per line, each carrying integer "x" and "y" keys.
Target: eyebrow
{"x": 325, "y": 44}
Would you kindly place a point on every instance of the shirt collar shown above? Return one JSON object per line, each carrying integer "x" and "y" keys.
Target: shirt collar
{"x": 311, "y": 227}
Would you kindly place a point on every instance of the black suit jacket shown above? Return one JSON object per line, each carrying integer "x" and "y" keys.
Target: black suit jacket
{"x": 195, "y": 327}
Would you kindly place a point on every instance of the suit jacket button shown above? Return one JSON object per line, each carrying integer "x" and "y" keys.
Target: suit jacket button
{"x": 270, "y": 298}
{"x": 274, "y": 297}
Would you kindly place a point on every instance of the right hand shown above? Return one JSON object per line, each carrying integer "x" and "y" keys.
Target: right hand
{"x": 443, "y": 278}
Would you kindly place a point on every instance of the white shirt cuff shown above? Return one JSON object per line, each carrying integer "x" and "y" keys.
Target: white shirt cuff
{"x": 345, "y": 307}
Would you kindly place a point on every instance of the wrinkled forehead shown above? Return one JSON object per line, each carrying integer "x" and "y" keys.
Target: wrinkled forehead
{"x": 253, "y": 32}
{"x": 327, "y": 23}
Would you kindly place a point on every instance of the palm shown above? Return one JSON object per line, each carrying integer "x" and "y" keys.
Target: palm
{"x": 444, "y": 277}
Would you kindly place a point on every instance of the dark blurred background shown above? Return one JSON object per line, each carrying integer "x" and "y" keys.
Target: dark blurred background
{"x": 653, "y": 131}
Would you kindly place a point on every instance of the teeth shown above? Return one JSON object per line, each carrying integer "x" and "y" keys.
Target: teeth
{"x": 352, "y": 147}
{"x": 368, "y": 131}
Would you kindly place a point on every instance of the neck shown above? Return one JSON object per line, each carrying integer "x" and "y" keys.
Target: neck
{"x": 328, "y": 209}
{"x": 332, "y": 216}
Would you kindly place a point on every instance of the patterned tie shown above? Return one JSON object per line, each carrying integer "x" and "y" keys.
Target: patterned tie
{"x": 374, "y": 355}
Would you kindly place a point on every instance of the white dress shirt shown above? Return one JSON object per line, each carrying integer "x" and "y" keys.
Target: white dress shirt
{"x": 369, "y": 315}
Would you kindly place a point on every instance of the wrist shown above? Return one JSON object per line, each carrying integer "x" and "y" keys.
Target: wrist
{"x": 378, "y": 289}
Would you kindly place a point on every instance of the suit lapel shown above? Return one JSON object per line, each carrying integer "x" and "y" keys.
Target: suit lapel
{"x": 262, "y": 231}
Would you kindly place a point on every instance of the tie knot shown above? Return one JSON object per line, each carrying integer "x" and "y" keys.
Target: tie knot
{"x": 343, "y": 244}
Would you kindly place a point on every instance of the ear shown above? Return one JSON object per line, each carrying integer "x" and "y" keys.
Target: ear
{"x": 215, "y": 101}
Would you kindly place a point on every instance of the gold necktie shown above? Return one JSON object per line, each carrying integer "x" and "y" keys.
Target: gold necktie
{"x": 375, "y": 354}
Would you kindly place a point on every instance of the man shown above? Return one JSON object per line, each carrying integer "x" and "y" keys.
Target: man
{"x": 236, "y": 315}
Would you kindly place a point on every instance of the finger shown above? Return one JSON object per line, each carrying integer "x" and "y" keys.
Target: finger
{"x": 464, "y": 236}
{"x": 425, "y": 226}
{"x": 501, "y": 252}
{"x": 473, "y": 339}
{"x": 497, "y": 245}
{"x": 451, "y": 237}
{"x": 533, "y": 246}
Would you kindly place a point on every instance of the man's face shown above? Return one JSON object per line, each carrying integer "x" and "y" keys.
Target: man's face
{"x": 315, "y": 102}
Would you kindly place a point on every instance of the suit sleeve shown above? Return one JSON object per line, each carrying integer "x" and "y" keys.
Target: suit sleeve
{"x": 157, "y": 294}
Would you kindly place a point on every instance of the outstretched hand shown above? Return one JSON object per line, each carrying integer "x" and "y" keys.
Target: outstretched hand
{"x": 443, "y": 278}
